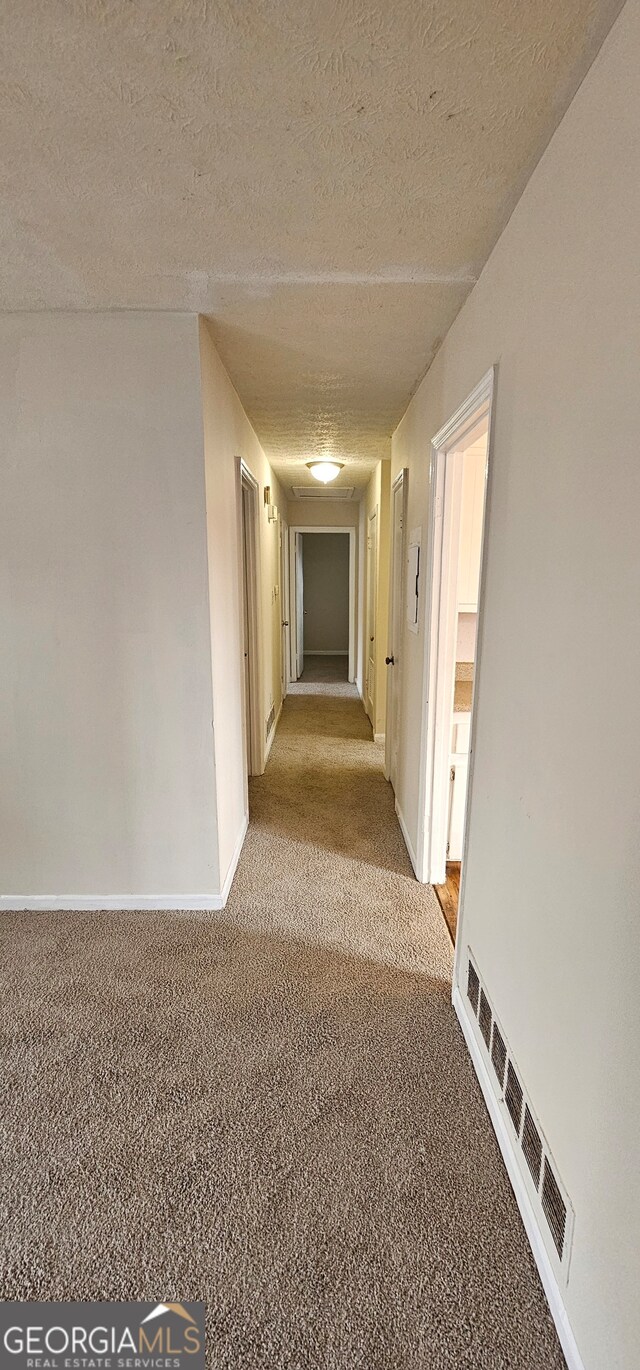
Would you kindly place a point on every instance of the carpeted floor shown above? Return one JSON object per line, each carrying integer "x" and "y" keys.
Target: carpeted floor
{"x": 272, "y": 1109}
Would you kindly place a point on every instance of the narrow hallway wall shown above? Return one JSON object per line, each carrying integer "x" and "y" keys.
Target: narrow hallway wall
{"x": 229, "y": 436}
{"x": 552, "y": 880}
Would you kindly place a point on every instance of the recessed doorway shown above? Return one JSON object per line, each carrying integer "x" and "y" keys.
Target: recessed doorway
{"x": 322, "y": 599}
{"x": 458, "y": 483}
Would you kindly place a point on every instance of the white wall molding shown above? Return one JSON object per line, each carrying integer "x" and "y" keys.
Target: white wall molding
{"x": 407, "y": 840}
{"x": 128, "y": 903}
{"x": 231, "y": 870}
{"x": 378, "y": 737}
{"x": 110, "y": 903}
{"x": 267, "y": 753}
{"x": 549, "y": 1282}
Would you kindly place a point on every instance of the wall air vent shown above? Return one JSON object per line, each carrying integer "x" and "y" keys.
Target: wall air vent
{"x": 513, "y": 1096}
{"x": 322, "y": 491}
{"x": 549, "y": 1200}
{"x": 554, "y": 1208}
{"x": 473, "y": 987}
{"x": 485, "y": 1017}
{"x": 498, "y": 1053}
{"x": 532, "y": 1146}
{"x": 271, "y": 718}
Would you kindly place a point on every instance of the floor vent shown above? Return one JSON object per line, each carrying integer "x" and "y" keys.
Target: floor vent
{"x": 540, "y": 1176}
{"x": 271, "y": 718}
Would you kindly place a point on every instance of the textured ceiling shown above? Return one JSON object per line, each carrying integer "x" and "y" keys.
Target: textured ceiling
{"x": 323, "y": 178}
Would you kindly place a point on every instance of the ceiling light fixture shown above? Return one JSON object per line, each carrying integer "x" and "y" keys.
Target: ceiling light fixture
{"x": 325, "y": 470}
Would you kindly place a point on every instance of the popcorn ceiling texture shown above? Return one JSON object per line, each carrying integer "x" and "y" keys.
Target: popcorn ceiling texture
{"x": 323, "y": 180}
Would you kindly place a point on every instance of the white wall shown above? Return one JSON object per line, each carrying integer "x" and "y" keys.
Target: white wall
{"x": 553, "y": 878}
{"x": 466, "y": 639}
{"x": 228, "y": 436}
{"x": 105, "y": 704}
{"x": 326, "y": 592}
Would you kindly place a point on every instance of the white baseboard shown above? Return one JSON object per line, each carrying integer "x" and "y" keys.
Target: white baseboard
{"x": 378, "y": 737}
{"x": 407, "y": 840}
{"x": 128, "y": 903}
{"x": 550, "y": 1284}
{"x": 109, "y": 903}
{"x": 270, "y": 739}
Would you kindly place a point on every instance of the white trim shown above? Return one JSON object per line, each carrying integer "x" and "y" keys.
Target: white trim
{"x": 128, "y": 903}
{"x": 379, "y": 737}
{"x": 109, "y": 903}
{"x": 351, "y": 532}
{"x": 550, "y": 1284}
{"x": 272, "y": 735}
{"x": 407, "y": 840}
{"x": 439, "y": 664}
{"x": 231, "y": 870}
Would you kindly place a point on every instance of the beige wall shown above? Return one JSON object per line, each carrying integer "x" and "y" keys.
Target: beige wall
{"x": 553, "y": 881}
{"x": 105, "y": 704}
{"x": 320, "y": 513}
{"x": 326, "y": 592}
{"x": 228, "y": 436}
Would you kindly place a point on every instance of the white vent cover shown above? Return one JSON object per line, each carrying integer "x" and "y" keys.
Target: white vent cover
{"x": 322, "y": 491}
{"x": 549, "y": 1198}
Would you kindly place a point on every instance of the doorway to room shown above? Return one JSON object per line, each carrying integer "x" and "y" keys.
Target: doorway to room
{"x": 458, "y": 483}
{"x": 322, "y": 627}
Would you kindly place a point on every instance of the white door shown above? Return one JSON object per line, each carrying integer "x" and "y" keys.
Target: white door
{"x": 372, "y": 579}
{"x": 395, "y": 626}
{"x": 299, "y": 599}
{"x": 284, "y": 604}
{"x": 245, "y": 616}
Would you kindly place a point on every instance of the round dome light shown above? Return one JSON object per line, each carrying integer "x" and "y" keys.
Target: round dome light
{"x": 325, "y": 470}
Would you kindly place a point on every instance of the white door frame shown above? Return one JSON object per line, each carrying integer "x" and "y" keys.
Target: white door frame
{"x": 253, "y": 743}
{"x": 440, "y": 638}
{"x": 351, "y": 533}
{"x": 399, "y": 490}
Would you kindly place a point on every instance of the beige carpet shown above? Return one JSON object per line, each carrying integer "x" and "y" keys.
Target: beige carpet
{"x": 272, "y": 1110}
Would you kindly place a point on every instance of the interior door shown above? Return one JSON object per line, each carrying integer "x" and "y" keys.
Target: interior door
{"x": 395, "y": 627}
{"x": 245, "y": 618}
{"x": 372, "y": 578}
{"x": 299, "y": 593}
{"x": 284, "y": 604}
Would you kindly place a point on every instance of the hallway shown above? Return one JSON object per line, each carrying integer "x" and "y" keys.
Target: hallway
{"x": 271, "y": 1109}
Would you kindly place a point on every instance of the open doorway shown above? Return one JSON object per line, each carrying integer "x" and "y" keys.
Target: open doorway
{"x": 249, "y": 556}
{"x": 458, "y": 483}
{"x": 322, "y": 603}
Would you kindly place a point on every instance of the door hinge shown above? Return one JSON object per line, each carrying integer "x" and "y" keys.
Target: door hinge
{"x": 452, "y": 773}
{"x": 448, "y": 845}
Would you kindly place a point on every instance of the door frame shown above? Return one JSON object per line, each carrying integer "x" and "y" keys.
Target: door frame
{"x": 351, "y": 533}
{"x": 439, "y": 639}
{"x": 253, "y": 742}
{"x": 399, "y": 488}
